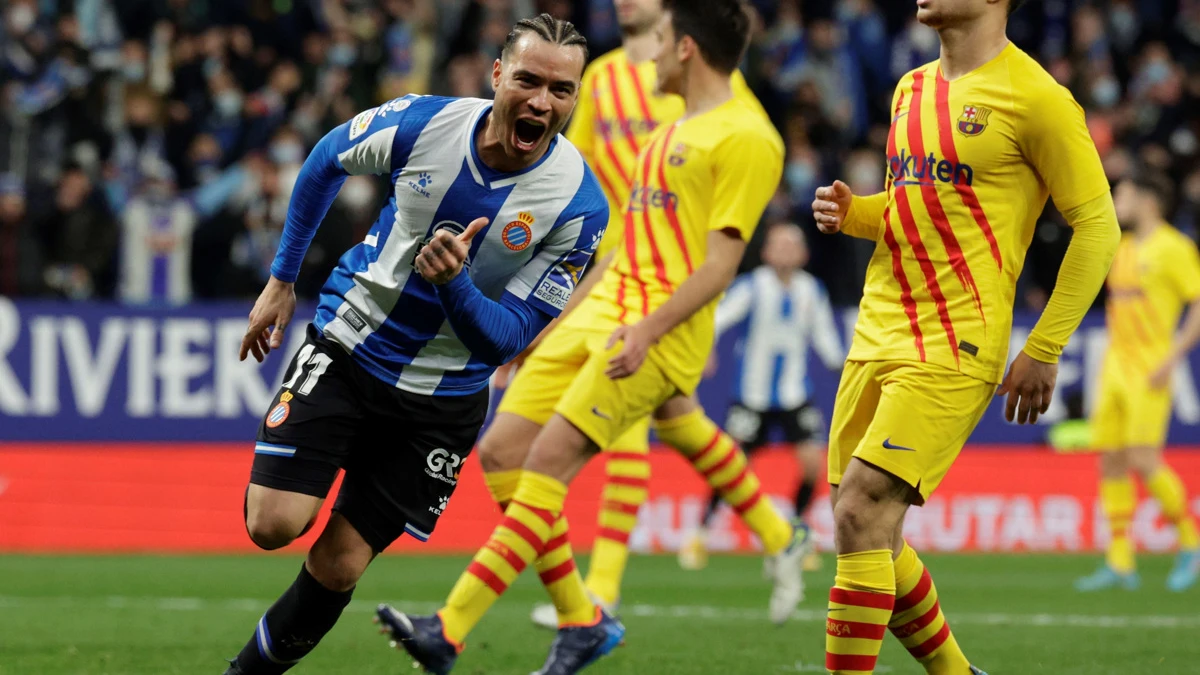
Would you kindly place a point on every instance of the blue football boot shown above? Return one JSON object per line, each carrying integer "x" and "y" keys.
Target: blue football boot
{"x": 1186, "y": 571}
{"x": 976, "y": 671}
{"x": 421, "y": 636}
{"x": 1106, "y": 578}
{"x": 576, "y": 647}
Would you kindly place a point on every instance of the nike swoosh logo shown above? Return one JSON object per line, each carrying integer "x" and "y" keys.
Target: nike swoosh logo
{"x": 898, "y": 116}
{"x": 597, "y": 413}
{"x": 887, "y": 445}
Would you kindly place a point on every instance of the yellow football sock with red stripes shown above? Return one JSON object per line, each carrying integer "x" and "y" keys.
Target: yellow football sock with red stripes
{"x": 517, "y": 541}
{"x": 723, "y": 464}
{"x": 625, "y": 490}
{"x": 1166, "y": 487}
{"x": 557, "y": 570}
{"x": 556, "y": 566}
{"x": 1118, "y": 497}
{"x": 917, "y": 619}
{"x": 860, "y": 606}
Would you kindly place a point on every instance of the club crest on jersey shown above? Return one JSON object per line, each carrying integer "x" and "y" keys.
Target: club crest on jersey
{"x": 973, "y": 120}
{"x": 280, "y": 412}
{"x": 678, "y": 155}
{"x": 518, "y": 234}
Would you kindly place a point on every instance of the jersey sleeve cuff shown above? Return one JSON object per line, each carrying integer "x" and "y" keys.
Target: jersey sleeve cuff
{"x": 1041, "y": 349}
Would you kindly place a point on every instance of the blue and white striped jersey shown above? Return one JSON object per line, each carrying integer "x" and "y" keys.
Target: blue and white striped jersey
{"x": 544, "y": 225}
{"x": 781, "y": 322}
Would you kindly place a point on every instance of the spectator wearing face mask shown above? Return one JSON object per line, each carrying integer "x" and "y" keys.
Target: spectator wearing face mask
{"x": 139, "y": 144}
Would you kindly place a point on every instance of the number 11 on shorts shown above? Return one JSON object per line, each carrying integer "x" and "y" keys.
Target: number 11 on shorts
{"x": 319, "y": 363}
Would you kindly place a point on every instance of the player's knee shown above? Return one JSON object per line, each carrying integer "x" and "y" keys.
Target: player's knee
{"x": 270, "y": 533}
{"x": 337, "y": 570}
{"x": 1114, "y": 464}
{"x": 861, "y": 521}
{"x": 1144, "y": 462}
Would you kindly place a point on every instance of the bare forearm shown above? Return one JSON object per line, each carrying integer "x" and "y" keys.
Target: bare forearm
{"x": 704, "y": 286}
{"x": 1189, "y": 334}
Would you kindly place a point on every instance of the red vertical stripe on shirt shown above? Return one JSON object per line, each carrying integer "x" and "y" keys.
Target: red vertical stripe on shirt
{"x": 913, "y": 235}
{"x": 669, "y": 206}
{"x": 641, "y": 95}
{"x": 933, "y": 203}
{"x": 622, "y": 119}
{"x": 660, "y": 268}
{"x": 906, "y": 298}
{"x": 631, "y": 255}
{"x": 606, "y": 135}
{"x": 965, "y": 192}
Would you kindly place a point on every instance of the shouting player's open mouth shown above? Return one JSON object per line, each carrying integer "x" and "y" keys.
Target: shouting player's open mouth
{"x": 527, "y": 134}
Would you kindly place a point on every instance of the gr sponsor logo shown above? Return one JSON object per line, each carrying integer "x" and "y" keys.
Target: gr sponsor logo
{"x": 443, "y": 465}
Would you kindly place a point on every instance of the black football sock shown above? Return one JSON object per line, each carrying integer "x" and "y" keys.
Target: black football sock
{"x": 293, "y": 626}
{"x": 714, "y": 503}
{"x": 804, "y": 496}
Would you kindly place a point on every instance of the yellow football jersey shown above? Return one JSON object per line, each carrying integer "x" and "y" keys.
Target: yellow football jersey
{"x": 714, "y": 171}
{"x": 1150, "y": 283}
{"x": 970, "y": 164}
{"x": 619, "y": 110}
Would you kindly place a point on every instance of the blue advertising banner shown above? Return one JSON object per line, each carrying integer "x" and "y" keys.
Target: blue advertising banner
{"x": 116, "y": 373}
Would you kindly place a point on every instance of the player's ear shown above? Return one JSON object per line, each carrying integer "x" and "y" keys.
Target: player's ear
{"x": 686, "y": 48}
{"x": 497, "y": 69}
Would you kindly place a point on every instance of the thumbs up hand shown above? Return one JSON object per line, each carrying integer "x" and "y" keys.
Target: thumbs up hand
{"x": 444, "y": 256}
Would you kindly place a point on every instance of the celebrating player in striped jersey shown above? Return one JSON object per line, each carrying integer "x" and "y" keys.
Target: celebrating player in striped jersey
{"x": 979, "y": 139}
{"x": 492, "y": 219}
{"x": 636, "y": 344}
{"x": 619, "y": 111}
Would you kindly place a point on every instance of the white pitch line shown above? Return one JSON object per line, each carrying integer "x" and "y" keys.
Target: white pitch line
{"x": 706, "y": 613}
{"x": 702, "y": 612}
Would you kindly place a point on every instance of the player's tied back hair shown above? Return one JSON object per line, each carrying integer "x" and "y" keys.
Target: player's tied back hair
{"x": 552, "y": 30}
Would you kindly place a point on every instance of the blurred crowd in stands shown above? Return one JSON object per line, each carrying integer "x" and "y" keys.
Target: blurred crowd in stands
{"x": 148, "y": 147}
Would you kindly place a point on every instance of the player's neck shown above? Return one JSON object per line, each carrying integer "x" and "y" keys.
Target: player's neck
{"x": 639, "y": 47}
{"x": 1146, "y": 227}
{"x": 703, "y": 90}
{"x": 969, "y": 46}
{"x": 785, "y": 275}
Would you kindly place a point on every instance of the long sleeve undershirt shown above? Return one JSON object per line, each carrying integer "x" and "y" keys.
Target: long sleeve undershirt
{"x": 496, "y": 332}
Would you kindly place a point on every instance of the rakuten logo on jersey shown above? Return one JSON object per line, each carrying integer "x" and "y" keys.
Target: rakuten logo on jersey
{"x": 907, "y": 169}
{"x": 443, "y": 465}
{"x": 643, "y": 198}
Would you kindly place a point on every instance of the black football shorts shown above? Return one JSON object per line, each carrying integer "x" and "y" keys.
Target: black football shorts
{"x": 401, "y": 451}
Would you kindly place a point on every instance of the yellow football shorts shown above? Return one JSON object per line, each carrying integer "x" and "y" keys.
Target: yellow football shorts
{"x": 565, "y": 375}
{"x": 1129, "y": 414}
{"x": 909, "y": 419}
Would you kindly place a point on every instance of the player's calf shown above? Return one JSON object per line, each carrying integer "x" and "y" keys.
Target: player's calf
{"x": 311, "y": 606}
{"x": 275, "y": 518}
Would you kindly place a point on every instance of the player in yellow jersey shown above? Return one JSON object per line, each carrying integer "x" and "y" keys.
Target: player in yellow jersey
{"x": 979, "y": 139}
{"x": 1155, "y": 275}
{"x": 635, "y": 345}
{"x": 619, "y": 111}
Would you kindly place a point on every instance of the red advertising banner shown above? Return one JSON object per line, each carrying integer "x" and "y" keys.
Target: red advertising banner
{"x": 188, "y": 498}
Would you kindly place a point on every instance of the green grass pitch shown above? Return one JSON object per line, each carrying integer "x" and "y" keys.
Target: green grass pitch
{"x": 167, "y": 615}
